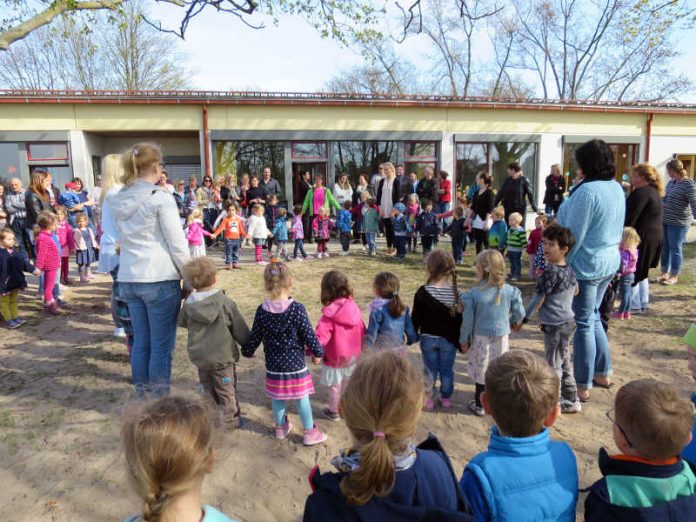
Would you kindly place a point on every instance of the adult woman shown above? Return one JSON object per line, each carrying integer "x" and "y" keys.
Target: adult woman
{"x": 680, "y": 195}
{"x": 229, "y": 188}
{"x": 37, "y": 200}
{"x": 242, "y": 192}
{"x": 180, "y": 199}
{"x": 444, "y": 196}
{"x": 388, "y": 192}
{"x": 514, "y": 192}
{"x": 256, "y": 194}
{"x": 555, "y": 188}
{"x": 594, "y": 213}
{"x": 303, "y": 186}
{"x": 427, "y": 187}
{"x": 85, "y": 198}
{"x": 108, "y": 257}
{"x": 644, "y": 213}
{"x": 482, "y": 206}
{"x": 318, "y": 196}
{"x": 191, "y": 200}
{"x": 205, "y": 195}
{"x": 342, "y": 190}
{"x": 153, "y": 252}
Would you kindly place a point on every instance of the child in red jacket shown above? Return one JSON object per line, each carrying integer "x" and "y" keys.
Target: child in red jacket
{"x": 340, "y": 331}
{"x": 48, "y": 257}
{"x": 67, "y": 244}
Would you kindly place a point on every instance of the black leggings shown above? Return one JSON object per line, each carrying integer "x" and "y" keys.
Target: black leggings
{"x": 388, "y": 232}
{"x": 481, "y": 238}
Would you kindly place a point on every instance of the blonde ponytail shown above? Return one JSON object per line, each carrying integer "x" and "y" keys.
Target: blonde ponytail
{"x": 137, "y": 160}
{"x": 374, "y": 477}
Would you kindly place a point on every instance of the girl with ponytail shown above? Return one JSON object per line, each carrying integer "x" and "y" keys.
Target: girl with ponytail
{"x": 437, "y": 317}
{"x": 390, "y": 319}
{"x": 384, "y": 475}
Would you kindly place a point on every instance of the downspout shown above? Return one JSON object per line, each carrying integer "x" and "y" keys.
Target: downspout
{"x": 648, "y": 133}
{"x": 206, "y": 143}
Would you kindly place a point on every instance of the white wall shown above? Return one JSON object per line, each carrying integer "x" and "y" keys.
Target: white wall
{"x": 81, "y": 158}
{"x": 662, "y": 148}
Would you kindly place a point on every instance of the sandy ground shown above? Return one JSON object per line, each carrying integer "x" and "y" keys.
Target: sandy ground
{"x": 64, "y": 383}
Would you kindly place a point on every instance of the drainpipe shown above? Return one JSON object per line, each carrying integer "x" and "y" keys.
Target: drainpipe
{"x": 648, "y": 133}
{"x": 206, "y": 143}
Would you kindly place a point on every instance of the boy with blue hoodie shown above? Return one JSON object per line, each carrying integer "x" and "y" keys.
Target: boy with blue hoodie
{"x": 647, "y": 481}
{"x": 343, "y": 224}
{"x": 524, "y": 475}
{"x": 689, "y": 452}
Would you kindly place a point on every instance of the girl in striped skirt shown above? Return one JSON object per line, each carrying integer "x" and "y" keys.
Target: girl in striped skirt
{"x": 283, "y": 326}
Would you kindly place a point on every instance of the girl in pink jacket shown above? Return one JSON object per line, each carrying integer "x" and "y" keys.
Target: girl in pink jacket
{"x": 48, "y": 257}
{"x": 67, "y": 244}
{"x": 195, "y": 233}
{"x": 340, "y": 331}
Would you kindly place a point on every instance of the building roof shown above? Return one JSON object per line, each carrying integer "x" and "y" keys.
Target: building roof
{"x": 14, "y": 96}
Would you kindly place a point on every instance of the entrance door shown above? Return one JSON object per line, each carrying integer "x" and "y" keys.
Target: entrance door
{"x": 298, "y": 169}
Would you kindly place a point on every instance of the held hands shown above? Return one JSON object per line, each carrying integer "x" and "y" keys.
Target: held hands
{"x": 316, "y": 361}
{"x": 464, "y": 347}
{"x": 37, "y": 272}
{"x": 516, "y": 327}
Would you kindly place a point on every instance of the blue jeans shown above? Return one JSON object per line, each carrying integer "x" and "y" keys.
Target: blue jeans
{"x": 400, "y": 243}
{"x": 640, "y": 298}
{"x": 371, "y": 242}
{"x": 232, "y": 251}
{"x": 153, "y": 309}
{"x": 438, "y": 358}
{"x": 457, "y": 248}
{"x": 515, "y": 263}
{"x": 590, "y": 344}
{"x": 299, "y": 247}
{"x": 626, "y": 292}
{"x": 672, "y": 257}
{"x": 304, "y": 408}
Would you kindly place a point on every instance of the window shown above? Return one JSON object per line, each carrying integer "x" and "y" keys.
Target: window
{"x": 9, "y": 160}
{"x": 354, "y": 157}
{"x": 309, "y": 149}
{"x": 47, "y": 151}
{"x": 625, "y": 156}
{"x": 420, "y": 149}
{"x": 239, "y": 157}
{"x": 472, "y": 158}
{"x": 61, "y": 174}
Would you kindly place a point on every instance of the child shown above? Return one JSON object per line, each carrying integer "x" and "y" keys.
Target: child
{"x": 71, "y": 202}
{"x": 271, "y": 215}
{"x": 258, "y": 231}
{"x": 356, "y": 214}
{"x": 497, "y": 234}
{"x": 341, "y": 332}
{"x": 371, "y": 225}
{"x": 412, "y": 211}
{"x": 280, "y": 235}
{"x": 283, "y": 326}
{"x": 648, "y": 480}
{"x": 689, "y": 452}
{"x": 343, "y": 225}
{"x": 12, "y": 267}
{"x": 85, "y": 245}
{"x": 297, "y": 232}
{"x": 553, "y": 297}
{"x": 169, "y": 451}
{"x": 437, "y": 317}
{"x": 457, "y": 231}
{"x": 401, "y": 229}
{"x": 516, "y": 242}
{"x": 215, "y": 328}
{"x": 384, "y": 476}
{"x": 195, "y": 233}
{"x": 67, "y": 243}
{"x": 534, "y": 242}
{"x": 489, "y": 310}
{"x": 322, "y": 227}
{"x": 390, "y": 320}
{"x": 232, "y": 228}
{"x": 48, "y": 258}
{"x": 629, "y": 259}
{"x": 427, "y": 227}
{"x": 524, "y": 475}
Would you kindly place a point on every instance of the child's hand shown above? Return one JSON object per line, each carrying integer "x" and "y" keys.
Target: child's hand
{"x": 517, "y": 327}
{"x": 463, "y": 347}
{"x": 37, "y": 272}
{"x": 316, "y": 360}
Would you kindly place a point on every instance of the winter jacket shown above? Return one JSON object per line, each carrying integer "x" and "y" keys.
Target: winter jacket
{"x": 629, "y": 260}
{"x": 513, "y": 193}
{"x": 80, "y": 243}
{"x": 525, "y": 479}
{"x": 633, "y": 490}
{"x": 271, "y": 214}
{"x": 432, "y": 317}
{"x": 297, "y": 230}
{"x": 457, "y": 229}
{"x": 329, "y": 201}
{"x": 343, "y": 220}
{"x": 516, "y": 239}
{"x": 280, "y": 230}
{"x": 385, "y": 331}
{"x": 15, "y": 205}
{"x": 401, "y": 225}
{"x": 153, "y": 245}
{"x": 497, "y": 235}
{"x": 689, "y": 452}
{"x": 370, "y": 220}
{"x": 484, "y": 315}
{"x": 341, "y": 331}
{"x": 108, "y": 258}
{"x": 34, "y": 206}
{"x": 427, "y": 190}
{"x": 426, "y": 223}
{"x": 65, "y": 235}
{"x": 232, "y": 226}
{"x": 69, "y": 200}
{"x": 555, "y": 188}
{"x": 426, "y": 491}
{"x": 256, "y": 227}
{"x": 13, "y": 264}
{"x": 342, "y": 195}
{"x": 47, "y": 253}
{"x": 215, "y": 329}
{"x": 322, "y": 227}
{"x": 396, "y": 191}
{"x": 534, "y": 241}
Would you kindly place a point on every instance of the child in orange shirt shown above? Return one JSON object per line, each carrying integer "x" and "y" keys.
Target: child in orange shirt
{"x": 233, "y": 227}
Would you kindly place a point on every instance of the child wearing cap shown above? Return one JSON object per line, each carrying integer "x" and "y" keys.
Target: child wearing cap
{"x": 402, "y": 228}
{"x": 689, "y": 452}
{"x": 648, "y": 480}
{"x": 71, "y": 201}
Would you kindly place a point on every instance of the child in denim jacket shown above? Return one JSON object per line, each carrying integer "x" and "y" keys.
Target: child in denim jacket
{"x": 390, "y": 319}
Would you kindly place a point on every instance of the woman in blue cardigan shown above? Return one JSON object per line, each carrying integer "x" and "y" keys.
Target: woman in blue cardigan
{"x": 594, "y": 212}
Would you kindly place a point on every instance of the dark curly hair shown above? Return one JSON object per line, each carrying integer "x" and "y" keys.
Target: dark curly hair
{"x": 561, "y": 235}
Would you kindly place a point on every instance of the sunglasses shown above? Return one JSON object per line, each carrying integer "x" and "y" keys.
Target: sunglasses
{"x": 610, "y": 416}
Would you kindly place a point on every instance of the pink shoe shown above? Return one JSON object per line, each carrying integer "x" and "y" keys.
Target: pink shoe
{"x": 281, "y": 432}
{"x": 446, "y": 402}
{"x": 429, "y": 405}
{"x": 261, "y": 263}
{"x": 84, "y": 278}
{"x": 313, "y": 436}
{"x": 618, "y": 315}
{"x": 627, "y": 315}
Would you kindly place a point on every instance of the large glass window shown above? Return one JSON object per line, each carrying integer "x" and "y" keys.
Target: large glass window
{"x": 309, "y": 149}
{"x": 9, "y": 160}
{"x": 472, "y": 158}
{"x": 239, "y": 157}
{"x": 354, "y": 157}
{"x": 47, "y": 151}
{"x": 625, "y": 155}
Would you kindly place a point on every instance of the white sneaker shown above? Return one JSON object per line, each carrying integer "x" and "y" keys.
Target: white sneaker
{"x": 570, "y": 407}
{"x": 119, "y": 332}
{"x": 342, "y": 253}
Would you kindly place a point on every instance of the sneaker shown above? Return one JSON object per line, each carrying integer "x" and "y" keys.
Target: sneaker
{"x": 119, "y": 332}
{"x": 476, "y": 410}
{"x": 282, "y": 432}
{"x": 326, "y": 254}
{"x": 228, "y": 266}
{"x": 12, "y": 324}
{"x": 429, "y": 404}
{"x": 84, "y": 278}
{"x": 52, "y": 308}
{"x": 446, "y": 402}
{"x": 618, "y": 315}
{"x": 309, "y": 256}
{"x": 313, "y": 436}
{"x": 261, "y": 263}
{"x": 19, "y": 321}
{"x": 627, "y": 315}
{"x": 570, "y": 406}
{"x": 514, "y": 278}
{"x": 62, "y": 303}
{"x": 343, "y": 253}
{"x": 235, "y": 266}
{"x": 331, "y": 415}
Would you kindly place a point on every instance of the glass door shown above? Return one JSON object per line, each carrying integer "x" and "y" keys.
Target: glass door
{"x": 298, "y": 170}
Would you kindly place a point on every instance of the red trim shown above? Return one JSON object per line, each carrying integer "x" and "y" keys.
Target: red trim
{"x": 67, "y": 154}
{"x": 648, "y": 135}
{"x": 206, "y": 143}
{"x": 314, "y": 471}
{"x": 631, "y": 458}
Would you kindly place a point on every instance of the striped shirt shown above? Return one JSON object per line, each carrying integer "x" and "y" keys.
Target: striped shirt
{"x": 516, "y": 239}
{"x": 679, "y": 196}
{"x": 443, "y": 294}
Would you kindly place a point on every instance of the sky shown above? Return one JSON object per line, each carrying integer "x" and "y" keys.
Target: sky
{"x": 224, "y": 54}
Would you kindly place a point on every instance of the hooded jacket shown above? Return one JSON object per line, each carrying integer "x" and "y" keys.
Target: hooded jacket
{"x": 153, "y": 244}
{"x": 341, "y": 331}
{"x": 12, "y": 267}
{"x": 215, "y": 329}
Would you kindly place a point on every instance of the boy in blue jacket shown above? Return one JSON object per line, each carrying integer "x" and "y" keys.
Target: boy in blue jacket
{"x": 689, "y": 452}
{"x": 524, "y": 476}
{"x": 497, "y": 234}
{"x": 343, "y": 224}
{"x": 648, "y": 481}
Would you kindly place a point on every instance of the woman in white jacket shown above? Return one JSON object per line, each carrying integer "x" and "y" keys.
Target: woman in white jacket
{"x": 342, "y": 190}
{"x": 153, "y": 250}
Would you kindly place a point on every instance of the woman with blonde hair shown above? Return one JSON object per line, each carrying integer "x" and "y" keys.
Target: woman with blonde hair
{"x": 152, "y": 255}
{"x": 385, "y": 476}
{"x": 644, "y": 214}
{"x": 388, "y": 192}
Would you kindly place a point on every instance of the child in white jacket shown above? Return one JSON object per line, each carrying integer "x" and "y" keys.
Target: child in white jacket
{"x": 258, "y": 232}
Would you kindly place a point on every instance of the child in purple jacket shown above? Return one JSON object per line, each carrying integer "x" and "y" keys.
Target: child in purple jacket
{"x": 629, "y": 259}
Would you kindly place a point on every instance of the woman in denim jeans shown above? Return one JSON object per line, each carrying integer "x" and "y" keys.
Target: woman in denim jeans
{"x": 594, "y": 213}
{"x": 153, "y": 249}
